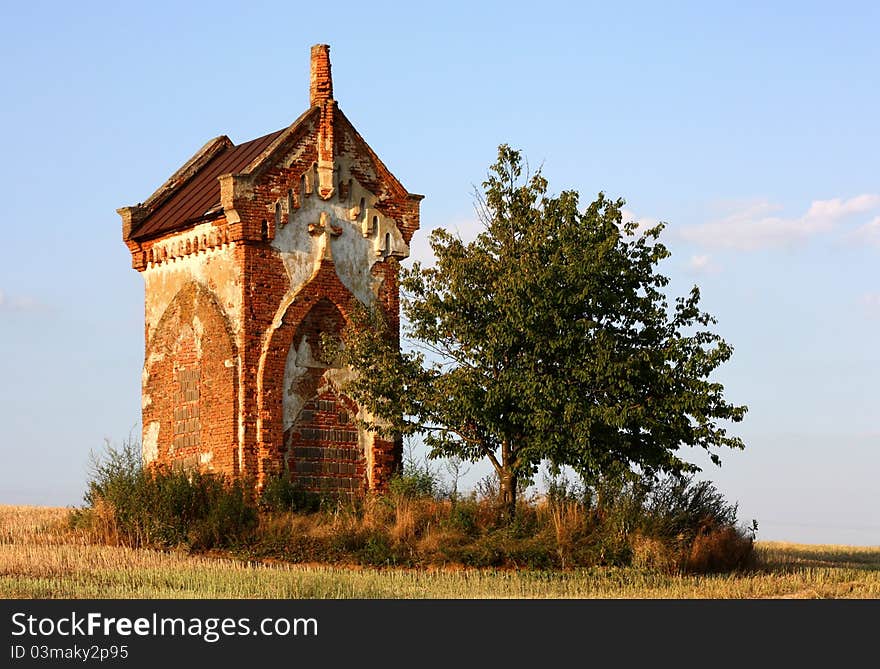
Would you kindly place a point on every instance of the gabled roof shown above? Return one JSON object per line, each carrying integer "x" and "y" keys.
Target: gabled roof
{"x": 199, "y": 197}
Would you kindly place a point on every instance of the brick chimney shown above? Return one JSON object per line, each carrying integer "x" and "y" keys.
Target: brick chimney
{"x": 321, "y": 85}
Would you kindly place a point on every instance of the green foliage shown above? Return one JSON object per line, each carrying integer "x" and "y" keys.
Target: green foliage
{"x": 115, "y": 474}
{"x": 364, "y": 545}
{"x": 378, "y": 550}
{"x": 464, "y": 516}
{"x": 281, "y": 494}
{"x": 136, "y": 506}
{"x": 503, "y": 548}
{"x": 680, "y": 506}
{"x": 416, "y": 480}
{"x": 546, "y": 339}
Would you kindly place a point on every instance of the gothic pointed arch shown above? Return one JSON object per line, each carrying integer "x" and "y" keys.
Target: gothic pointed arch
{"x": 322, "y": 448}
{"x": 190, "y": 385}
{"x": 291, "y": 367}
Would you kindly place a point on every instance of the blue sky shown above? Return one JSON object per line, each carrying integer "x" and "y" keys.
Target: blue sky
{"x": 751, "y": 129}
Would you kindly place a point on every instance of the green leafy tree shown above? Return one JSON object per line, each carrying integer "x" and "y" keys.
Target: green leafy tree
{"x": 546, "y": 339}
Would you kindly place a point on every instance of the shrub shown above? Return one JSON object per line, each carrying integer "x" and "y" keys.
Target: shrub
{"x": 680, "y": 506}
{"x": 377, "y": 550}
{"x": 463, "y": 516}
{"x": 720, "y": 549}
{"x": 281, "y": 494}
{"x": 414, "y": 482}
{"x": 672, "y": 523}
{"x": 131, "y": 505}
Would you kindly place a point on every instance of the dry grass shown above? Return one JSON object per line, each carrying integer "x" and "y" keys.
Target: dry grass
{"x": 719, "y": 550}
{"x": 652, "y": 553}
{"x": 41, "y": 558}
{"x": 569, "y": 524}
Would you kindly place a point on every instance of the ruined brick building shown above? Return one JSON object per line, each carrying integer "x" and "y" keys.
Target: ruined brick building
{"x": 249, "y": 253}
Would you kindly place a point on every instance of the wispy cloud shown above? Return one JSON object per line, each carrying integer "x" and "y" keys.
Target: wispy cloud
{"x": 702, "y": 264}
{"x": 758, "y": 225}
{"x": 17, "y": 302}
{"x": 869, "y": 233}
{"x": 871, "y": 303}
{"x": 697, "y": 264}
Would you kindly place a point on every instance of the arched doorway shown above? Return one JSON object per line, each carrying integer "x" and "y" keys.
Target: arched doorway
{"x": 323, "y": 446}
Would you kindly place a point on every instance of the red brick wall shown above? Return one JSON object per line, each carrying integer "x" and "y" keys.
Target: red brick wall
{"x": 191, "y": 370}
{"x": 322, "y": 448}
{"x": 186, "y": 397}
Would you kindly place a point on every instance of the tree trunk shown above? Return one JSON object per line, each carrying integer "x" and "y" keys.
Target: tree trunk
{"x": 507, "y": 481}
{"x": 508, "y": 493}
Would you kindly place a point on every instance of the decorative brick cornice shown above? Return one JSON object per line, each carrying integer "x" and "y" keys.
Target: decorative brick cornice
{"x": 183, "y": 244}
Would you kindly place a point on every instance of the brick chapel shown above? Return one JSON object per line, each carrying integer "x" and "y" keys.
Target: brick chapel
{"x": 249, "y": 253}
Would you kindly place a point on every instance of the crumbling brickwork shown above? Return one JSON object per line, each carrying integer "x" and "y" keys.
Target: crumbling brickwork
{"x": 250, "y": 254}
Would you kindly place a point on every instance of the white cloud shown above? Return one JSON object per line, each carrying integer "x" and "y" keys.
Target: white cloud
{"x": 837, "y": 208}
{"x": 17, "y": 303}
{"x": 756, "y": 226}
{"x": 869, "y": 233}
{"x": 702, "y": 264}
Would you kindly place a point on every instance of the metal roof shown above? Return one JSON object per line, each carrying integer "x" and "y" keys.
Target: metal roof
{"x": 201, "y": 194}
